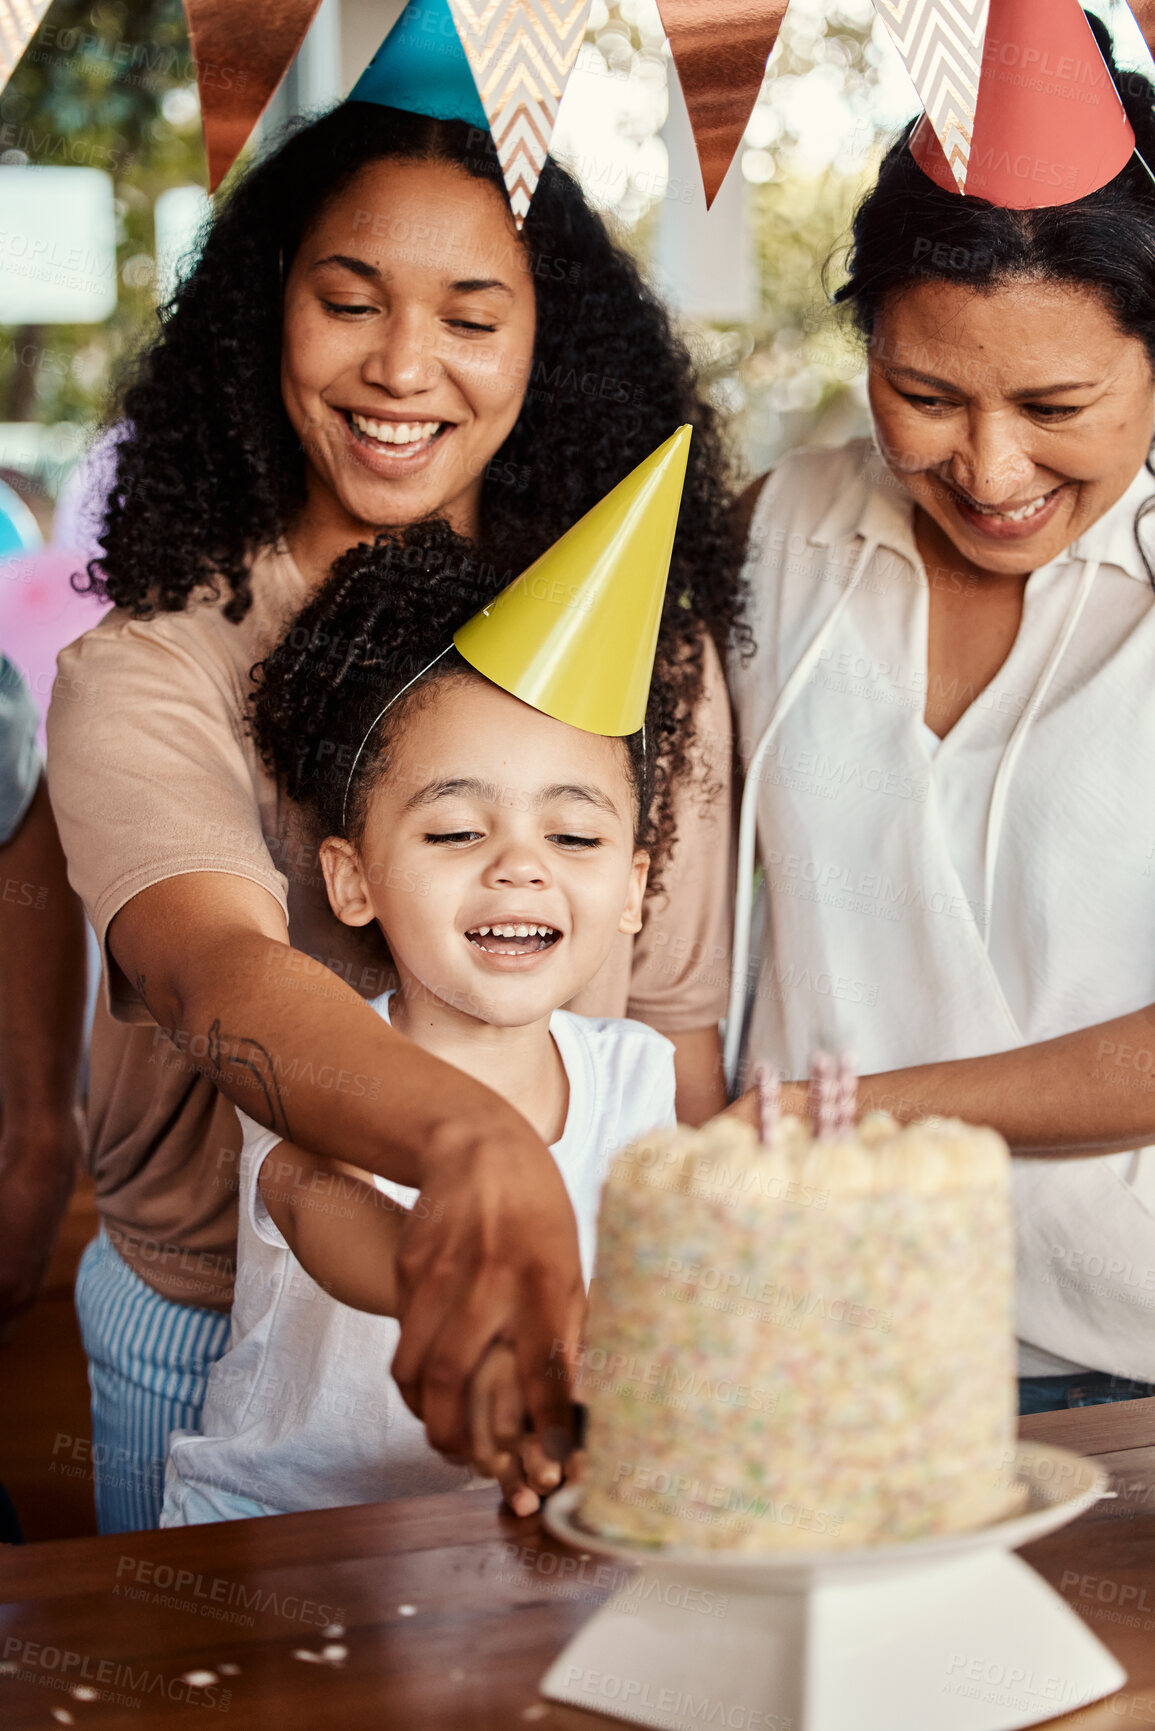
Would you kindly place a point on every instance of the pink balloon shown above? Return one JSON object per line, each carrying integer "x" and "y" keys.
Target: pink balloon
{"x": 41, "y": 613}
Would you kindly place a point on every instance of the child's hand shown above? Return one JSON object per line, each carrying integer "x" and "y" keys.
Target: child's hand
{"x": 501, "y": 1447}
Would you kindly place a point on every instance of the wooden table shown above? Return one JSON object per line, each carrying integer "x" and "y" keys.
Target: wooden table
{"x": 451, "y": 1611}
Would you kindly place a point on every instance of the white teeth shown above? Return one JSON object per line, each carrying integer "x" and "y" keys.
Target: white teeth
{"x": 512, "y": 931}
{"x": 395, "y": 432}
{"x": 1019, "y": 516}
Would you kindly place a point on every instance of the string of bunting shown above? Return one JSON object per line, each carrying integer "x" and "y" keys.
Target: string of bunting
{"x": 521, "y": 52}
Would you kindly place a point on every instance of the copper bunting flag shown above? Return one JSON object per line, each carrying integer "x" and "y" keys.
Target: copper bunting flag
{"x": 241, "y": 52}
{"x": 720, "y": 52}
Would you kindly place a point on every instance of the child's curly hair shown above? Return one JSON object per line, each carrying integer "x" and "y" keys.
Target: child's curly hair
{"x": 385, "y": 612}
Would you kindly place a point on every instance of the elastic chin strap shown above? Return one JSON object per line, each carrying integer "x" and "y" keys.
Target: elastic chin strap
{"x": 397, "y": 695}
{"x": 1145, "y": 164}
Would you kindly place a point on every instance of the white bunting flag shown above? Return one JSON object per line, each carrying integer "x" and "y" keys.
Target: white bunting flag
{"x": 941, "y": 43}
{"x": 520, "y": 53}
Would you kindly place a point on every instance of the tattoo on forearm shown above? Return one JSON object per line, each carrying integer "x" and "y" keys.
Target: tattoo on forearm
{"x": 241, "y": 1053}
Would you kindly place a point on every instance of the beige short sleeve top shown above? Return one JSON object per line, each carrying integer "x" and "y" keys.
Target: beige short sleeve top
{"x": 152, "y": 774}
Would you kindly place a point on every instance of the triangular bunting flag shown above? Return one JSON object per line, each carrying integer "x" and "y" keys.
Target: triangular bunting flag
{"x": 520, "y": 53}
{"x": 941, "y": 43}
{"x": 242, "y": 52}
{"x": 720, "y": 52}
{"x": 18, "y": 22}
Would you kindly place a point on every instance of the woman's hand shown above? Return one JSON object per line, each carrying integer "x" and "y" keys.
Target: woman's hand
{"x": 792, "y": 1103}
{"x": 489, "y": 1252}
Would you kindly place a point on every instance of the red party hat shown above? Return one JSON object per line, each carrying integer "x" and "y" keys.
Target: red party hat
{"x": 1049, "y": 125}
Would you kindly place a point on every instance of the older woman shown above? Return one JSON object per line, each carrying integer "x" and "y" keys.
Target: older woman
{"x": 366, "y": 341}
{"x": 952, "y": 713}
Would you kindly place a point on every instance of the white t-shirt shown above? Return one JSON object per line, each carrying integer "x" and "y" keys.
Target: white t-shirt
{"x": 302, "y": 1411}
{"x": 928, "y": 900}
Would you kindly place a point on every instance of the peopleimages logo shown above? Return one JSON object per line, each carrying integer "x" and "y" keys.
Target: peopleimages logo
{"x": 218, "y": 1590}
{"x": 91, "y": 1679}
{"x": 43, "y": 259}
{"x": 999, "y": 56}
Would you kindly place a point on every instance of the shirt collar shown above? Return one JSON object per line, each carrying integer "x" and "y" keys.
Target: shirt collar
{"x": 874, "y": 507}
{"x": 1111, "y": 540}
{"x": 878, "y": 509}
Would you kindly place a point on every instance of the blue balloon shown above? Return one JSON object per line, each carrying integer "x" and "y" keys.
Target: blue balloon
{"x": 19, "y": 531}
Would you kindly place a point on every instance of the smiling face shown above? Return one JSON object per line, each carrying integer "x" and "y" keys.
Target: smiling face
{"x": 497, "y": 855}
{"x": 1014, "y": 417}
{"x": 408, "y": 337}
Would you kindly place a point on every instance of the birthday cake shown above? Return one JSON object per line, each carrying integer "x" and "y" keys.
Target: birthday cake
{"x": 801, "y": 1343}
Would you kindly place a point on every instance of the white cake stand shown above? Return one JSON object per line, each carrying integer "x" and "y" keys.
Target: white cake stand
{"x": 943, "y": 1634}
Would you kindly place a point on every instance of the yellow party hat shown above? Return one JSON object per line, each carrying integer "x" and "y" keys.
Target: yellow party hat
{"x": 575, "y": 634}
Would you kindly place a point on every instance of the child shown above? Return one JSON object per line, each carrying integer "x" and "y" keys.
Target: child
{"x": 500, "y": 851}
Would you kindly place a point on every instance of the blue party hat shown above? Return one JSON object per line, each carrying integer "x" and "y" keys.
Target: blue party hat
{"x": 421, "y": 67}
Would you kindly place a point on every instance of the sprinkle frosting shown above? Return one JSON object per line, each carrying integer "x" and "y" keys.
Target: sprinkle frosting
{"x": 801, "y": 1345}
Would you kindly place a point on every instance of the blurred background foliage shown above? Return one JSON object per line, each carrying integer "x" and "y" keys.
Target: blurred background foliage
{"x": 109, "y": 86}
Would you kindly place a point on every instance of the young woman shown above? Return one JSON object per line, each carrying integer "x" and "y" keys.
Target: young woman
{"x": 365, "y": 342}
{"x": 950, "y": 718}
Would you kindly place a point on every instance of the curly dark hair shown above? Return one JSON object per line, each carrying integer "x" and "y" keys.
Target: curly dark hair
{"x": 209, "y": 469}
{"x": 384, "y": 614}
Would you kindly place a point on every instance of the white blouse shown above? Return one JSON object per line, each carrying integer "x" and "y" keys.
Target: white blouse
{"x": 928, "y": 900}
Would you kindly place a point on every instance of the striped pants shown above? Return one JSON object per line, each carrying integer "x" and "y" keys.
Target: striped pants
{"x": 148, "y": 1365}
